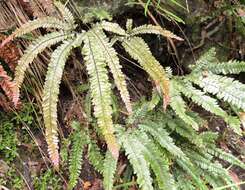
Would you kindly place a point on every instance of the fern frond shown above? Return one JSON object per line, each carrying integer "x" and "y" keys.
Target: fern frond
{"x": 205, "y": 59}
{"x": 219, "y": 153}
{"x": 110, "y": 166}
{"x": 51, "y": 91}
{"x": 223, "y": 87}
{"x": 152, "y": 29}
{"x": 116, "y": 69}
{"x": 113, "y": 27}
{"x": 205, "y": 163}
{"x": 141, "y": 111}
{"x": 230, "y": 67}
{"x": 95, "y": 157}
{"x": 79, "y": 140}
{"x": 31, "y": 53}
{"x": 190, "y": 169}
{"x": 158, "y": 162}
{"x": 6, "y": 83}
{"x": 45, "y": 22}
{"x": 208, "y": 103}
{"x": 179, "y": 106}
{"x": 139, "y": 50}
{"x": 100, "y": 89}
{"x": 65, "y": 12}
{"x": 163, "y": 138}
{"x": 134, "y": 151}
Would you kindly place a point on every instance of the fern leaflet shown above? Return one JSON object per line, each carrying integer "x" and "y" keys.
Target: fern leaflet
{"x": 139, "y": 50}
{"x": 110, "y": 166}
{"x": 100, "y": 89}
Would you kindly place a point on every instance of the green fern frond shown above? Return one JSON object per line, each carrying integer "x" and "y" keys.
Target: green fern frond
{"x": 223, "y": 87}
{"x": 51, "y": 91}
{"x": 65, "y": 12}
{"x": 141, "y": 111}
{"x": 208, "y": 103}
{"x": 230, "y": 67}
{"x": 45, "y": 22}
{"x": 205, "y": 59}
{"x": 31, "y": 53}
{"x": 113, "y": 27}
{"x": 219, "y": 153}
{"x": 185, "y": 131}
{"x": 100, "y": 89}
{"x": 95, "y": 157}
{"x": 158, "y": 162}
{"x": 179, "y": 106}
{"x": 204, "y": 162}
{"x": 79, "y": 140}
{"x": 162, "y": 137}
{"x": 152, "y": 29}
{"x": 182, "y": 179}
{"x": 199, "y": 97}
{"x": 139, "y": 50}
{"x": 134, "y": 151}
{"x": 110, "y": 166}
{"x": 190, "y": 169}
{"x": 112, "y": 61}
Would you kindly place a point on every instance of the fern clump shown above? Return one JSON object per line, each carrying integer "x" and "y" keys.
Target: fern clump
{"x": 98, "y": 54}
{"x": 159, "y": 158}
{"x": 207, "y": 79}
{"x": 162, "y": 149}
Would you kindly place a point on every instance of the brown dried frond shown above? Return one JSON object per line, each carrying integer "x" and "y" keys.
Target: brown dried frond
{"x": 6, "y": 83}
{"x": 9, "y": 53}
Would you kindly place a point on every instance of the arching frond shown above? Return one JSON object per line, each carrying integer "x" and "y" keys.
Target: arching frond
{"x": 139, "y": 50}
{"x": 225, "y": 88}
{"x": 179, "y": 106}
{"x": 100, "y": 89}
{"x": 112, "y": 61}
{"x": 152, "y": 29}
{"x": 135, "y": 153}
{"x": 110, "y": 166}
{"x": 79, "y": 140}
{"x": 208, "y": 103}
{"x": 158, "y": 162}
{"x": 162, "y": 137}
{"x": 219, "y": 153}
{"x": 31, "y": 53}
{"x": 230, "y": 67}
{"x": 45, "y": 22}
{"x": 95, "y": 157}
{"x": 191, "y": 170}
{"x": 65, "y": 12}
{"x": 51, "y": 91}
{"x": 112, "y": 27}
{"x": 206, "y": 58}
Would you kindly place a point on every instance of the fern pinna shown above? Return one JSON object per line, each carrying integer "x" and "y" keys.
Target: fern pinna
{"x": 98, "y": 53}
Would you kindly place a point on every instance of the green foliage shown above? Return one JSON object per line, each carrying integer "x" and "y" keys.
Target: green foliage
{"x": 79, "y": 140}
{"x": 47, "y": 180}
{"x": 109, "y": 169}
{"x": 205, "y": 75}
{"x": 98, "y": 55}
